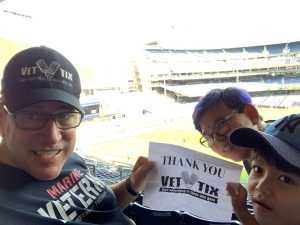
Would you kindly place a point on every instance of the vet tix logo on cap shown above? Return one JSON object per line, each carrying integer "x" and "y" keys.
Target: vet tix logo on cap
{"x": 47, "y": 71}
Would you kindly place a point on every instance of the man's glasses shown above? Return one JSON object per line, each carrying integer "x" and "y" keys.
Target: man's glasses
{"x": 219, "y": 133}
{"x": 27, "y": 120}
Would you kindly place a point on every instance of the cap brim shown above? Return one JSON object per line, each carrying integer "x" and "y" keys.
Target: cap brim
{"x": 250, "y": 138}
{"x": 14, "y": 102}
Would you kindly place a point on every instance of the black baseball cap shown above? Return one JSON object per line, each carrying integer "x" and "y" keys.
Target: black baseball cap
{"x": 40, "y": 74}
{"x": 280, "y": 136}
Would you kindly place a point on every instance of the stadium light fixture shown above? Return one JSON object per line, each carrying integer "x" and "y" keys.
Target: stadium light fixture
{"x": 152, "y": 43}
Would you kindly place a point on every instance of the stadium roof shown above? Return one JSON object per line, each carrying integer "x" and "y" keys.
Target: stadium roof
{"x": 271, "y": 48}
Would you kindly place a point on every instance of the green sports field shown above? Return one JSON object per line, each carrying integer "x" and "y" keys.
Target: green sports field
{"x": 124, "y": 141}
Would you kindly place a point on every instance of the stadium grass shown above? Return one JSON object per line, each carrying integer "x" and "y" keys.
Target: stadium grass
{"x": 126, "y": 149}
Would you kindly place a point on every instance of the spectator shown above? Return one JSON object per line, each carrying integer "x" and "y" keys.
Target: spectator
{"x": 221, "y": 111}
{"x": 274, "y": 180}
{"x": 42, "y": 180}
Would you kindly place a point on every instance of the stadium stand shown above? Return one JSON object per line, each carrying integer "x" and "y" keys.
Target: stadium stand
{"x": 270, "y": 73}
{"x": 186, "y": 74}
{"x": 109, "y": 173}
{"x": 91, "y": 107}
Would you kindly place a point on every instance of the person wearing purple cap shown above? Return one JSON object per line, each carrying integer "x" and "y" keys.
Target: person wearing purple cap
{"x": 42, "y": 180}
{"x": 221, "y": 111}
{"x": 274, "y": 180}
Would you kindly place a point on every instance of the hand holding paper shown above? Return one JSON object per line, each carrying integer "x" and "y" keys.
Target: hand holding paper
{"x": 190, "y": 181}
{"x": 140, "y": 173}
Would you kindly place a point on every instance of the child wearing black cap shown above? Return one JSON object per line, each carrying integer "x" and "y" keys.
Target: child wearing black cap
{"x": 274, "y": 180}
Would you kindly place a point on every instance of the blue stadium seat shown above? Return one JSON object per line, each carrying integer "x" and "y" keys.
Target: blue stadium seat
{"x": 107, "y": 172}
{"x": 255, "y": 49}
{"x": 276, "y": 49}
{"x": 294, "y": 46}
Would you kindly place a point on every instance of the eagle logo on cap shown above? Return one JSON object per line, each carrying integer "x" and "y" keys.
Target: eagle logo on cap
{"x": 49, "y": 71}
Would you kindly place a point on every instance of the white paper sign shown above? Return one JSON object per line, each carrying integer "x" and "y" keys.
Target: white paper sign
{"x": 190, "y": 181}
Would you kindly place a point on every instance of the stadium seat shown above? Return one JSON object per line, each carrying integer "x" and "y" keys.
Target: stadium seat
{"x": 145, "y": 216}
{"x": 193, "y": 220}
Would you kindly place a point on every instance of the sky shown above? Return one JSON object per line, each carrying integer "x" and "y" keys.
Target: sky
{"x": 103, "y": 32}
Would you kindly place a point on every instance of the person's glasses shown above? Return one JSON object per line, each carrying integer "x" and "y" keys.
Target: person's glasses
{"x": 28, "y": 120}
{"x": 219, "y": 132}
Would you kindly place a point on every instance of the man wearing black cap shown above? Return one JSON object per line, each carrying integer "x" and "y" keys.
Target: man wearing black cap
{"x": 274, "y": 180}
{"x": 42, "y": 180}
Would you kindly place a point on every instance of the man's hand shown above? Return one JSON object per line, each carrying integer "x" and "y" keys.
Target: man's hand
{"x": 137, "y": 181}
{"x": 140, "y": 172}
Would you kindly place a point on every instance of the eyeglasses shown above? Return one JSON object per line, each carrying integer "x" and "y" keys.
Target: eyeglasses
{"x": 27, "y": 120}
{"x": 233, "y": 98}
{"x": 219, "y": 132}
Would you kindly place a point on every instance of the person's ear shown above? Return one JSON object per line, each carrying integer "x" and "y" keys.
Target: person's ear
{"x": 252, "y": 113}
{"x": 2, "y": 115}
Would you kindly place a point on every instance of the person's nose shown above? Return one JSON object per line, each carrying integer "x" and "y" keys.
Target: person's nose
{"x": 51, "y": 133}
{"x": 265, "y": 184}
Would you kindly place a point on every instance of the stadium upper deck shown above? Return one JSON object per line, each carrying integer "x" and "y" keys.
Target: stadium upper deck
{"x": 275, "y": 66}
{"x": 210, "y": 63}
